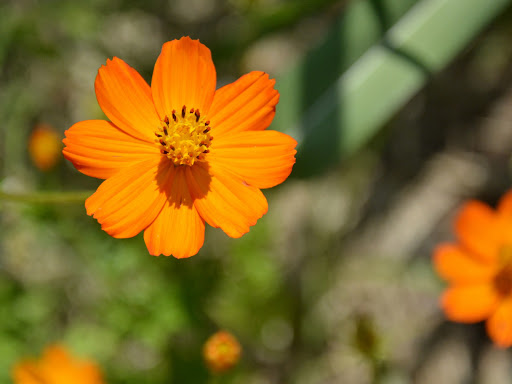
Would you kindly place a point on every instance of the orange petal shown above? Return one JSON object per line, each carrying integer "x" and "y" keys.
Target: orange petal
{"x": 478, "y": 230}
{"x": 455, "y": 265}
{"x": 129, "y": 201}
{"x": 184, "y": 74}
{"x": 262, "y": 159}
{"x": 178, "y": 228}
{"x": 224, "y": 200}
{"x": 126, "y": 99}
{"x": 499, "y": 326}
{"x": 99, "y": 149}
{"x": 26, "y": 372}
{"x": 247, "y": 104}
{"x": 57, "y": 366}
{"x": 469, "y": 303}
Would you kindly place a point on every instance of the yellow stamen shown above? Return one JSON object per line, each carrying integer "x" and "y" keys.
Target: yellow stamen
{"x": 184, "y": 137}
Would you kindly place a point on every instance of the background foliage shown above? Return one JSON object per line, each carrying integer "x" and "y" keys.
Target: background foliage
{"x": 334, "y": 284}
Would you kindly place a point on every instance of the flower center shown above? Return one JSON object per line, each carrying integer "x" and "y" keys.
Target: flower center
{"x": 184, "y": 137}
{"x": 503, "y": 279}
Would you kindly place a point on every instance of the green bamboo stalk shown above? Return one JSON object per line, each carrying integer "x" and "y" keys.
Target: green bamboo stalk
{"x": 333, "y": 110}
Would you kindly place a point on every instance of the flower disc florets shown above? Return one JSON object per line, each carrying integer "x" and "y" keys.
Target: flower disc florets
{"x": 184, "y": 137}
{"x": 503, "y": 279}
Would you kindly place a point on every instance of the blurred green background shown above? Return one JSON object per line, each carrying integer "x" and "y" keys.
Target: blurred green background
{"x": 402, "y": 110}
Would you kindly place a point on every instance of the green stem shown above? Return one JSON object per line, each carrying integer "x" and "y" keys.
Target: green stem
{"x": 47, "y": 197}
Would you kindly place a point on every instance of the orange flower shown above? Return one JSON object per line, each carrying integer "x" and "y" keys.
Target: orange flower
{"x": 56, "y": 367}
{"x": 44, "y": 147}
{"x": 180, "y": 153}
{"x": 479, "y": 268}
{"x": 221, "y": 352}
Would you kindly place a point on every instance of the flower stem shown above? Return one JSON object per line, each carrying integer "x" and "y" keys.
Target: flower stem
{"x": 47, "y": 197}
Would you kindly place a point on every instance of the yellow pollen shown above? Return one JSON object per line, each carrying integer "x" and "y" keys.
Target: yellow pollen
{"x": 184, "y": 137}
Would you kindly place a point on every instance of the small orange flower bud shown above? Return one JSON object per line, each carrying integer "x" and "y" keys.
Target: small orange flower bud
{"x": 221, "y": 352}
{"x": 56, "y": 366}
{"x": 44, "y": 147}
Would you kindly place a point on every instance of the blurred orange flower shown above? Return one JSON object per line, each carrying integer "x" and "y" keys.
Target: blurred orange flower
{"x": 479, "y": 268}
{"x": 44, "y": 147}
{"x": 56, "y": 367}
{"x": 180, "y": 153}
{"x": 221, "y": 352}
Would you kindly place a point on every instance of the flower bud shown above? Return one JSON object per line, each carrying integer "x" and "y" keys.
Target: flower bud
{"x": 44, "y": 147}
{"x": 221, "y": 352}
